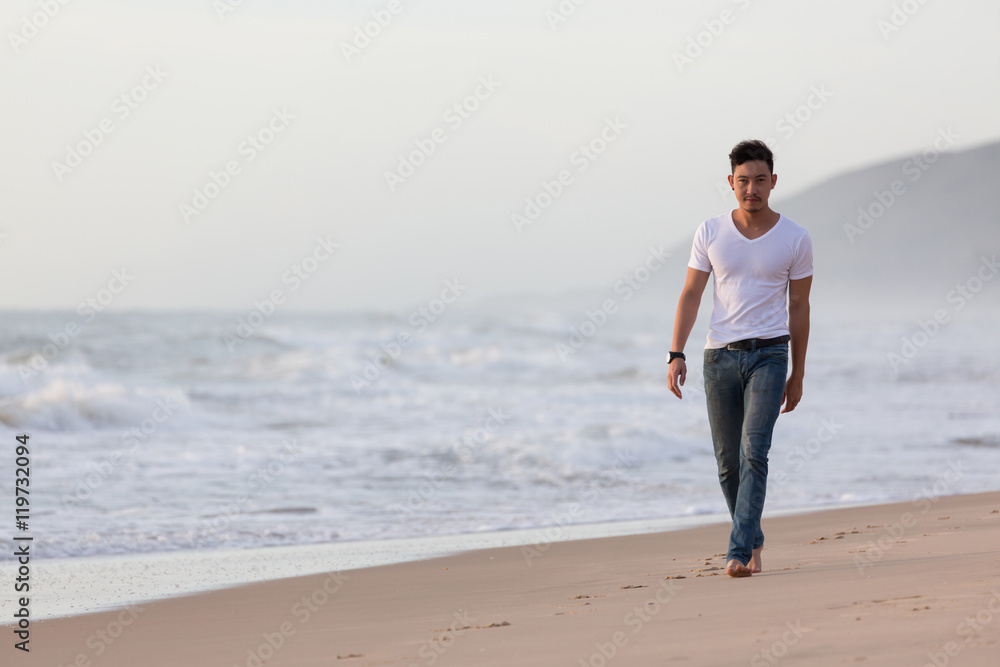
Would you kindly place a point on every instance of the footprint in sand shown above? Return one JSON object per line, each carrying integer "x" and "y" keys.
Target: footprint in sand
{"x": 501, "y": 624}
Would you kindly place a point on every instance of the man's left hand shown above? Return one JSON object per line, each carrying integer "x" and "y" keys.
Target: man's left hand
{"x": 793, "y": 394}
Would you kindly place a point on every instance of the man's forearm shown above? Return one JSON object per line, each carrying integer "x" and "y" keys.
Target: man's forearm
{"x": 798, "y": 329}
{"x": 684, "y": 319}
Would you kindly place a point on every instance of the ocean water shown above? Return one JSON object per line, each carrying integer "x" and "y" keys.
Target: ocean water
{"x": 165, "y": 432}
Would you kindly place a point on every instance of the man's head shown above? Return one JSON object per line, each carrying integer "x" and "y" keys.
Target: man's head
{"x": 753, "y": 175}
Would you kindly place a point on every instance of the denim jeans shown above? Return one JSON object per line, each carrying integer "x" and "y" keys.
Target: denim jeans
{"x": 743, "y": 389}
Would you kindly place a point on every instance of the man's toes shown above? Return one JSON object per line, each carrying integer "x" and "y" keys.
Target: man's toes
{"x": 735, "y": 568}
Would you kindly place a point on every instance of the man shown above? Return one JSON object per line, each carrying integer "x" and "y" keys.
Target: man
{"x": 755, "y": 255}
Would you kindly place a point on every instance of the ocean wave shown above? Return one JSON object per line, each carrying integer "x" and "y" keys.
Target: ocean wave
{"x": 71, "y": 405}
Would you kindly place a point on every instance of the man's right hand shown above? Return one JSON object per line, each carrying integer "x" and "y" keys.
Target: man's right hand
{"x": 676, "y": 375}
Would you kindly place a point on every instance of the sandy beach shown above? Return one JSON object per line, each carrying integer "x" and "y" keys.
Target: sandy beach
{"x": 351, "y": 334}
{"x": 910, "y": 583}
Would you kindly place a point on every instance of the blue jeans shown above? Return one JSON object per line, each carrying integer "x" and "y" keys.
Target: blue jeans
{"x": 743, "y": 389}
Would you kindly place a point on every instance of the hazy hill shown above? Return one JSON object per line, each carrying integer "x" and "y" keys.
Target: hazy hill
{"x": 916, "y": 248}
{"x": 904, "y": 258}
{"x": 899, "y": 262}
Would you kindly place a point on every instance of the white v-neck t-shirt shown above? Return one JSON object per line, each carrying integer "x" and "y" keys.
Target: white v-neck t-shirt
{"x": 750, "y": 276}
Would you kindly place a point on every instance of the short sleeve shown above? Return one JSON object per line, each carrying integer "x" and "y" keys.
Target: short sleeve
{"x": 699, "y": 251}
{"x": 802, "y": 263}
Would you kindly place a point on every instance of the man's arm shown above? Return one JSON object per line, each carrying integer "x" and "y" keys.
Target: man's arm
{"x": 798, "y": 328}
{"x": 687, "y": 313}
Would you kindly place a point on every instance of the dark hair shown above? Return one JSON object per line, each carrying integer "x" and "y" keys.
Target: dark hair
{"x": 750, "y": 150}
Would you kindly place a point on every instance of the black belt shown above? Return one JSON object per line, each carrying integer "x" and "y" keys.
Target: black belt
{"x": 748, "y": 344}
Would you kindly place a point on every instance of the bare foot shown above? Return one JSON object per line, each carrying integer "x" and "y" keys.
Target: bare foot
{"x": 755, "y": 563}
{"x": 734, "y": 569}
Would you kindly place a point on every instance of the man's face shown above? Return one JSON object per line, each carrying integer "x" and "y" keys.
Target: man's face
{"x": 752, "y": 182}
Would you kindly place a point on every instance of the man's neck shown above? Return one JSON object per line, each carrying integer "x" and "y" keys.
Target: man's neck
{"x": 760, "y": 220}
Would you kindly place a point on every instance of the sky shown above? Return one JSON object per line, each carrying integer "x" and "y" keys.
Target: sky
{"x": 214, "y": 154}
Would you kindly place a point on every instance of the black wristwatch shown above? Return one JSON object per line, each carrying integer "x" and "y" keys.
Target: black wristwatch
{"x": 676, "y": 355}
